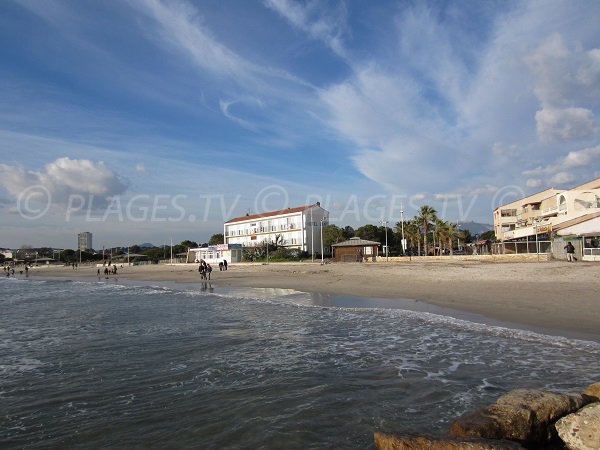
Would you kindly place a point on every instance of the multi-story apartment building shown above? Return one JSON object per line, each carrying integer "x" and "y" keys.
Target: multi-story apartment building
{"x": 84, "y": 241}
{"x": 553, "y": 213}
{"x": 298, "y": 228}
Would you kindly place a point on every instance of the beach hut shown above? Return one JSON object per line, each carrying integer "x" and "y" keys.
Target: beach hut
{"x": 355, "y": 250}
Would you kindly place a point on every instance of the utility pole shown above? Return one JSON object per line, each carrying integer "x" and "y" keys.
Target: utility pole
{"x": 387, "y": 250}
{"x": 312, "y": 236}
{"x": 322, "y": 260}
{"x": 402, "y": 228}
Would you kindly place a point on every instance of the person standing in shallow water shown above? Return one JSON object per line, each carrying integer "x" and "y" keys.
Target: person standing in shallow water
{"x": 570, "y": 252}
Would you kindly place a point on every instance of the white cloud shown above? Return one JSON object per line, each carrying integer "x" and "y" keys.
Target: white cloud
{"x": 564, "y": 169}
{"x": 561, "y": 178}
{"x": 182, "y": 27}
{"x": 64, "y": 178}
{"x": 225, "y": 106}
{"x": 533, "y": 182}
{"x": 581, "y": 157}
{"x": 565, "y": 124}
{"x": 326, "y": 26}
{"x": 140, "y": 167}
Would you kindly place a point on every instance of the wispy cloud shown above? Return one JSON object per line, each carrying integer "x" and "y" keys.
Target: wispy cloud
{"x": 319, "y": 23}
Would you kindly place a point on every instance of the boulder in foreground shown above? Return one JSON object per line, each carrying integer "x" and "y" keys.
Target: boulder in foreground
{"x": 385, "y": 441}
{"x": 581, "y": 430}
{"x": 523, "y": 415}
{"x": 593, "y": 390}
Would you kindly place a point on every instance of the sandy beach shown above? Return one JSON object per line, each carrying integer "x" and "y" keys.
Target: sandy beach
{"x": 554, "y": 297}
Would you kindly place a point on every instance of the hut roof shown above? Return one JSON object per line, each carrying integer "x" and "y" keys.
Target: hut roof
{"x": 356, "y": 242}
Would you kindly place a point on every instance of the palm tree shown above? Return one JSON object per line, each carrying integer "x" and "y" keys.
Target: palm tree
{"x": 413, "y": 231}
{"x": 451, "y": 229}
{"x": 426, "y": 215}
{"x": 441, "y": 232}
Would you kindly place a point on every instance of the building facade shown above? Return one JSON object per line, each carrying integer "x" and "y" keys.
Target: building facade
{"x": 532, "y": 223}
{"x": 84, "y": 241}
{"x": 296, "y": 228}
{"x": 214, "y": 254}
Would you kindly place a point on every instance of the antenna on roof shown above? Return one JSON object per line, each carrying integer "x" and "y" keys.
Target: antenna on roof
{"x": 248, "y": 212}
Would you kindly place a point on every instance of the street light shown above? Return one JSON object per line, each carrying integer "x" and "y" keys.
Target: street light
{"x": 322, "y": 260}
{"x": 458, "y": 236}
{"x": 402, "y": 225}
{"x": 312, "y": 236}
{"x": 387, "y": 250}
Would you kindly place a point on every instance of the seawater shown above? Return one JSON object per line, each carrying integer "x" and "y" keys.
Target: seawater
{"x": 90, "y": 364}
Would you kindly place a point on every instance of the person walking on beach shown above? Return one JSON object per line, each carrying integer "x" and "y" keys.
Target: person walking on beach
{"x": 225, "y": 264}
{"x": 570, "y": 252}
{"x": 208, "y": 270}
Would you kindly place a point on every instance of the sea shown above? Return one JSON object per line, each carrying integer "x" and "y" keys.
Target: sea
{"x": 110, "y": 363}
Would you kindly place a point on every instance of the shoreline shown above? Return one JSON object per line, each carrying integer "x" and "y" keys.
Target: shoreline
{"x": 555, "y": 298}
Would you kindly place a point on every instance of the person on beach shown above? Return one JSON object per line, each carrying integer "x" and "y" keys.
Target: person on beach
{"x": 225, "y": 264}
{"x": 202, "y": 271}
{"x": 570, "y": 252}
{"x": 220, "y": 266}
{"x": 208, "y": 270}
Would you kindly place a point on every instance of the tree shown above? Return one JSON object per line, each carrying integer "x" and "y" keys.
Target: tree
{"x": 488, "y": 235}
{"x": 186, "y": 244}
{"x": 451, "y": 230}
{"x": 68, "y": 255}
{"x": 217, "y": 238}
{"x": 426, "y": 215}
{"x": 412, "y": 230}
{"x": 369, "y": 232}
{"x": 442, "y": 233}
{"x": 349, "y": 232}
{"x": 333, "y": 234}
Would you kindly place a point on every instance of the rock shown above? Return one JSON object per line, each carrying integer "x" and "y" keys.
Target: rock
{"x": 523, "y": 415}
{"x": 384, "y": 441}
{"x": 593, "y": 390}
{"x": 581, "y": 430}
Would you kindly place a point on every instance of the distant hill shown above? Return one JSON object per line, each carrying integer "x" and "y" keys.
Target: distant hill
{"x": 146, "y": 245}
{"x": 475, "y": 227}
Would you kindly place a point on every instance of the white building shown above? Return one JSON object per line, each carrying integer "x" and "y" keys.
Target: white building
{"x": 84, "y": 241}
{"x": 552, "y": 215}
{"x": 214, "y": 254}
{"x": 298, "y": 228}
{"x": 8, "y": 254}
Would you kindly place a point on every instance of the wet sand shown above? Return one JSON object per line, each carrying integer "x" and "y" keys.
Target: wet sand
{"x": 555, "y": 297}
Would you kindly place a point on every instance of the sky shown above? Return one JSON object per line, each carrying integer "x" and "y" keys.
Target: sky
{"x": 151, "y": 120}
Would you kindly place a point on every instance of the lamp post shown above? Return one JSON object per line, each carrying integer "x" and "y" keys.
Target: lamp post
{"x": 402, "y": 228}
{"x": 322, "y": 260}
{"x": 387, "y": 250}
{"x": 312, "y": 236}
{"x": 457, "y": 236}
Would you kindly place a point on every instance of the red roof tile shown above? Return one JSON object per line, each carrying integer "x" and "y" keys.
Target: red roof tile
{"x": 270, "y": 214}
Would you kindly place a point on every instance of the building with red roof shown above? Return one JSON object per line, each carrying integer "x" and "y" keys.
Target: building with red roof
{"x": 298, "y": 227}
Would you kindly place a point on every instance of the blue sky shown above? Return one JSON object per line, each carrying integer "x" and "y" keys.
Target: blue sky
{"x": 146, "y": 120}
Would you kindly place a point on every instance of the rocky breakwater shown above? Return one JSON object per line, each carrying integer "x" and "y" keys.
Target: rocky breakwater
{"x": 523, "y": 418}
